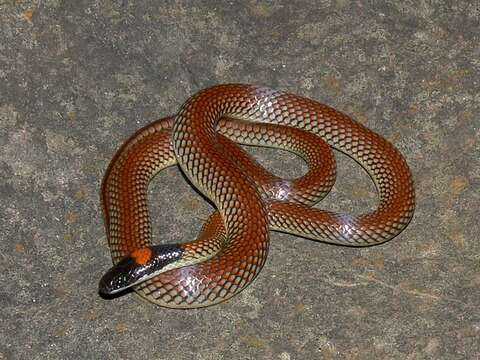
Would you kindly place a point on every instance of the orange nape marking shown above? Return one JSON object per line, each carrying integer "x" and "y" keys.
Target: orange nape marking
{"x": 141, "y": 256}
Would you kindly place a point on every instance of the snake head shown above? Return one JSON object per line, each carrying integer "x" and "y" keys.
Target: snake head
{"x": 139, "y": 266}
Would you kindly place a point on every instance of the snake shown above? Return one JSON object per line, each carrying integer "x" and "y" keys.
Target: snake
{"x": 232, "y": 247}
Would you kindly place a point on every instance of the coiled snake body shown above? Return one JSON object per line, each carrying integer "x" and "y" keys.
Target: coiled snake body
{"x": 233, "y": 244}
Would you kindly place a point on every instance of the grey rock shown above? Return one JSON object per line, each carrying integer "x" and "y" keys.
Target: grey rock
{"x": 77, "y": 78}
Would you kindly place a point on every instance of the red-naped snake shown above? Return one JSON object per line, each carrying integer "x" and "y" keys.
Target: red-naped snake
{"x": 233, "y": 244}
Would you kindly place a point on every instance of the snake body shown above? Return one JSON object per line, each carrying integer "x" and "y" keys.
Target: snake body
{"x": 233, "y": 244}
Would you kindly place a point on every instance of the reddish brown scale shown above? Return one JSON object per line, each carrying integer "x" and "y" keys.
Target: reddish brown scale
{"x": 230, "y": 178}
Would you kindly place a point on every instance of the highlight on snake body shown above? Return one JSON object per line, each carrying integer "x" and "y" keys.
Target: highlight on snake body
{"x": 231, "y": 249}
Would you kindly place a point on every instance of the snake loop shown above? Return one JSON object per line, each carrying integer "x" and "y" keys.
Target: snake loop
{"x": 233, "y": 244}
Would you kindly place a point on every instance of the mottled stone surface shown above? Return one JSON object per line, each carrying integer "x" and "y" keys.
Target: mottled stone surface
{"x": 78, "y": 77}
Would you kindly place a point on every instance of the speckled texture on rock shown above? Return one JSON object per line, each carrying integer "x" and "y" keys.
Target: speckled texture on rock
{"x": 77, "y": 78}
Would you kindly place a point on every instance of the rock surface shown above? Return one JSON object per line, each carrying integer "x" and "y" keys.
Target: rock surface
{"x": 77, "y": 78}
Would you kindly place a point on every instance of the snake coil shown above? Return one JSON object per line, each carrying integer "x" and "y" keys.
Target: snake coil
{"x": 233, "y": 244}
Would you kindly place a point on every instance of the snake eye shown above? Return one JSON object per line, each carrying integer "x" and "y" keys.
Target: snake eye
{"x": 140, "y": 265}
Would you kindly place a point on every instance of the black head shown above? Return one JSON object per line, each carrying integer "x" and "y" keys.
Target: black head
{"x": 140, "y": 265}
